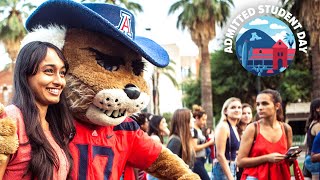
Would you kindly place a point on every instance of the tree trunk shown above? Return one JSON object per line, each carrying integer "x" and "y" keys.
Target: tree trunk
{"x": 315, "y": 51}
{"x": 206, "y": 85}
{"x": 155, "y": 92}
{"x": 12, "y": 47}
{"x": 157, "y": 98}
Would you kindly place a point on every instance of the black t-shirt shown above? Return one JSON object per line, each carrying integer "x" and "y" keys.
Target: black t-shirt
{"x": 175, "y": 145}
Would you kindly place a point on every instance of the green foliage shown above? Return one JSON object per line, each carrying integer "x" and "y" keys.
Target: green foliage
{"x": 199, "y": 11}
{"x": 192, "y": 93}
{"x": 168, "y": 117}
{"x": 231, "y": 79}
{"x": 296, "y": 82}
{"x": 11, "y": 27}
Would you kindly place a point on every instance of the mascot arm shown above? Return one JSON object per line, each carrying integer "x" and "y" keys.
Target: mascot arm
{"x": 8, "y": 138}
{"x": 170, "y": 166}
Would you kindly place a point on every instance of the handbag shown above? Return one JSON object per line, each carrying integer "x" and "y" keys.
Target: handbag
{"x": 306, "y": 172}
{"x": 297, "y": 171}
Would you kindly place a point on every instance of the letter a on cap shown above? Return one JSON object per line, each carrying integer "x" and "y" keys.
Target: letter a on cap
{"x": 125, "y": 24}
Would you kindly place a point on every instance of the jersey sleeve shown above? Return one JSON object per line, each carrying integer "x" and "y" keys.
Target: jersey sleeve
{"x": 144, "y": 150}
{"x": 316, "y": 144}
{"x": 175, "y": 146}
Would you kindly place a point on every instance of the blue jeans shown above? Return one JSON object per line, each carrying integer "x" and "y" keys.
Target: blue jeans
{"x": 314, "y": 168}
{"x": 218, "y": 174}
{"x": 199, "y": 168}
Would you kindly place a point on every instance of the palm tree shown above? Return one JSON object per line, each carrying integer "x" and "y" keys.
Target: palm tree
{"x": 200, "y": 17}
{"x": 131, "y": 6}
{"x": 308, "y": 14}
{"x": 169, "y": 72}
{"x": 11, "y": 27}
{"x": 290, "y": 39}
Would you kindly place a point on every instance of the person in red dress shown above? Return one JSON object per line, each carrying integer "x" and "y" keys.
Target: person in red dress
{"x": 265, "y": 142}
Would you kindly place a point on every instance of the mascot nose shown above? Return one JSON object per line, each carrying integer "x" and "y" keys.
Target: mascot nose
{"x": 132, "y": 91}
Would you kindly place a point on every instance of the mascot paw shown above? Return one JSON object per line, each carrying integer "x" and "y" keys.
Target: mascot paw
{"x": 8, "y": 138}
{"x": 3, "y": 158}
{"x": 170, "y": 166}
{"x": 7, "y": 127}
{"x": 191, "y": 176}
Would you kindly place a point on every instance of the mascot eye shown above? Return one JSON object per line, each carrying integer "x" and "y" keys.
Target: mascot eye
{"x": 112, "y": 68}
{"x": 110, "y": 63}
{"x": 138, "y": 67}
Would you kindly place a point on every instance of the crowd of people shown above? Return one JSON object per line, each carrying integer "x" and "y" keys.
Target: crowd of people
{"x": 242, "y": 146}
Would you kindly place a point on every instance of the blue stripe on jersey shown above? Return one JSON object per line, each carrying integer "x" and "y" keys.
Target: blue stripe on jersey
{"x": 127, "y": 126}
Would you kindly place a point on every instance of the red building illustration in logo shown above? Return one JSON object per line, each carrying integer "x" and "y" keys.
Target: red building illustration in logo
{"x": 279, "y": 54}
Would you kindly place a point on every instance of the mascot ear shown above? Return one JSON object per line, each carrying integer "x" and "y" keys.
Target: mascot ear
{"x": 8, "y": 137}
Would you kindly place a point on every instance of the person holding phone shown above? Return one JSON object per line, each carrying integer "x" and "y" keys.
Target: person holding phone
{"x": 293, "y": 152}
{"x": 264, "y": 143}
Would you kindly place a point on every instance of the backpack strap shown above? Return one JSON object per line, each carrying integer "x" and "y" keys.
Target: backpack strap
{"x": 285, "y": 129}
{"x": 256, "y": 126}
{"x": 255, "y": 134}
{"x": 255, "y": 131}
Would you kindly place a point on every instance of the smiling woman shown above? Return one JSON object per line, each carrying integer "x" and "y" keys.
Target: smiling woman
{"x": 39, "y": 109}
{"x": 48, "y": 80}
{"x": 227, "y": 140}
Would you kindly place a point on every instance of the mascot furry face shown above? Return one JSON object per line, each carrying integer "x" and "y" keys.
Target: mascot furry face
{"x": 104, "y": 54}
{"x": 104, "y": 84}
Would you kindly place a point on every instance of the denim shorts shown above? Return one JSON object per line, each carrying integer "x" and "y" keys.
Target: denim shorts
{"x": 314, "y": 168}
{"x": 218, "y": 174}
{"x": 251, "y": 178}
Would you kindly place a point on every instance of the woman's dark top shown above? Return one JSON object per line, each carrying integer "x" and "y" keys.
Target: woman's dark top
{"x": 232, "y": 144}
{"x": 175, "y": 145}
{"x": 310, "y": 138}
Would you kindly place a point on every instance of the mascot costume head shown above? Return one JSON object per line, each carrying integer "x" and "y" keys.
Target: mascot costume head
{"x": 104, "y": 84}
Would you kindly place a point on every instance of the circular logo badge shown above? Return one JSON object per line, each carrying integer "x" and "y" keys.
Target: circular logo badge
{"x": 265, "y": 46}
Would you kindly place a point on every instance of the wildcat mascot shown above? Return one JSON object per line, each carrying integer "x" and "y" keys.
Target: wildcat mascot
{"x": 104, "y": 84}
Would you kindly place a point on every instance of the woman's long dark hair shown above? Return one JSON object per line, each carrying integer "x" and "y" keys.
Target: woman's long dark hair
{"x": 43, "y": 157}
{"x": 314, "y": 115}
{"x": 154, "y": 122}
{"x": 180, "y": 126}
